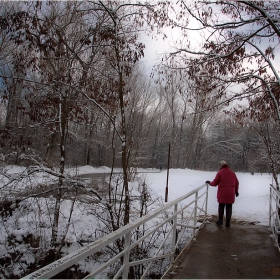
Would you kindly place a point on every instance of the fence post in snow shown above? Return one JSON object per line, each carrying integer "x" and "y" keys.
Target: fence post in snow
{"x": 166, "y": 189}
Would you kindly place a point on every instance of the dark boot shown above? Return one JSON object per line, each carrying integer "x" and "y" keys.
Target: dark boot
{"x": 219, "y": 223}
{"x": 227, "y": 223}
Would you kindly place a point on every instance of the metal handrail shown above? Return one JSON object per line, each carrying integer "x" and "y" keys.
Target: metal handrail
{"x": 274, "y": 210}
{"x": 171, "y": 242}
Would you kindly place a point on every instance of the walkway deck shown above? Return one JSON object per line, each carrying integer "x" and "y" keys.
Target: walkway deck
{"x": 241, "y": 252}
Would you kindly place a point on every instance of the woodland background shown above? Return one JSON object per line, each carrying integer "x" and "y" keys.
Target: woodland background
{"x": 75, "y": 91}
{"x": 74, "y": 87}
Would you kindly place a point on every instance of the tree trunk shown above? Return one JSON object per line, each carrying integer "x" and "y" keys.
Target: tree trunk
{"x": 124, "y": 152}
{"x": 63, "y": 135}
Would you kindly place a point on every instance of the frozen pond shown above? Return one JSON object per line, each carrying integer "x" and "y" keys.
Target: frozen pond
{"x": 95, "y": 177}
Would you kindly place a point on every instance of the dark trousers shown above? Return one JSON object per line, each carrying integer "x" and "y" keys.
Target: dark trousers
{"x": 221, "y": 209}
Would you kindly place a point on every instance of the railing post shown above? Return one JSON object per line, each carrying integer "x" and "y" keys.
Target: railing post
{"x": 274, "y": 206}
{"x": 195, "y": 214}
{"x": 174, "y": 233}
{"x": 277, "y": 197}
{"x": 126, "y": 255}
{"x": 270, "y": 206}
{"x": 206, "y": 203}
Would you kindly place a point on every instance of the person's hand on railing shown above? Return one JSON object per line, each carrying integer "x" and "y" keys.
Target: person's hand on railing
{"x": 207, "y": 182}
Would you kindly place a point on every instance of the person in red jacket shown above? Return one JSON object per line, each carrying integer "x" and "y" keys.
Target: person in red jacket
{"x": 228, "y": 186}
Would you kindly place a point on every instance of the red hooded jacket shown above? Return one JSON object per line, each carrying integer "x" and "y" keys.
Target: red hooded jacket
{"x": 228, "y": 185}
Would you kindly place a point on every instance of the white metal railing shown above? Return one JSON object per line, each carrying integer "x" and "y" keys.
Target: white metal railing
{"x": 180, "y": 221}
{"x": 274, "y": 210}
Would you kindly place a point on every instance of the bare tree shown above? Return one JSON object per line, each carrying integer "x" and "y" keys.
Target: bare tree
{"x": 238, "y": 46}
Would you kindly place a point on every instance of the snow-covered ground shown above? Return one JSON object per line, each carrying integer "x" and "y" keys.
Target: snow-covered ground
{"x": 251, "y": 205}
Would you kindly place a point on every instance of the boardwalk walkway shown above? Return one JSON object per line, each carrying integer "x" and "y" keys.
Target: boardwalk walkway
{"x": 241, "y": 252}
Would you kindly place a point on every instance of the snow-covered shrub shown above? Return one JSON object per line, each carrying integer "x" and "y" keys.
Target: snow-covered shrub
{"x": 84, "y": 217}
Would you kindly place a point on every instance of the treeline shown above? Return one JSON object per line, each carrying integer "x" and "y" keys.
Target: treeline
{"x": 74, "y": 92}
